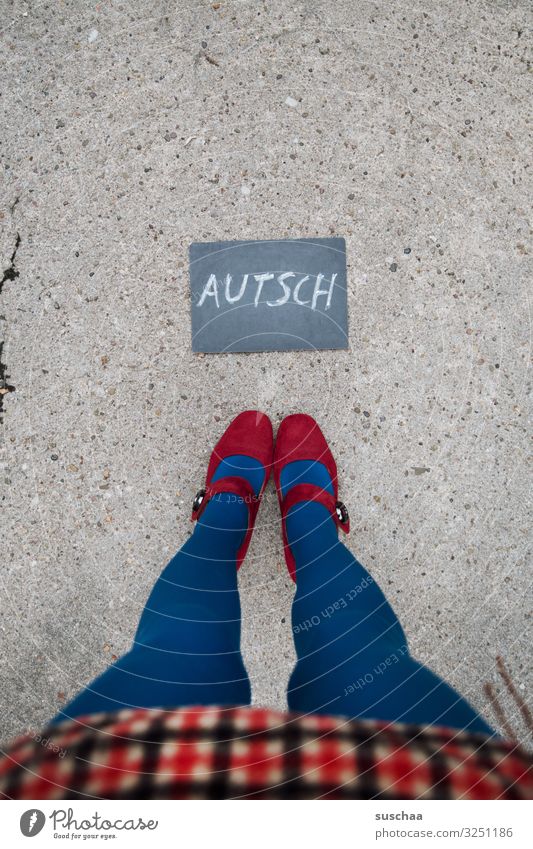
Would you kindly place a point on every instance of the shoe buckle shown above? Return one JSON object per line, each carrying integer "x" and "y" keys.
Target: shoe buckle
{"x": 198, "y": 499}
{"x": 342, "y": 512}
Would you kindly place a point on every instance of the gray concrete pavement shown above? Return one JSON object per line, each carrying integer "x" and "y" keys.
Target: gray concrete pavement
{"x": 132, "y": 129}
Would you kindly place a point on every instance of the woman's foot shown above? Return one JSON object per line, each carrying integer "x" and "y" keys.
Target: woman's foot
{"x": 237, "y": 475}
{"x": 306, "y": 480}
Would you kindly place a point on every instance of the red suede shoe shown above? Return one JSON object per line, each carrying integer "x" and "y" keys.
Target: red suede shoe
{"x": 300, "y": 438}
{"x": 250, "y": 433}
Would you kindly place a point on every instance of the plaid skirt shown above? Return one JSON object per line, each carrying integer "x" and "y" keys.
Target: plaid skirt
{"x": 254, "y": 753}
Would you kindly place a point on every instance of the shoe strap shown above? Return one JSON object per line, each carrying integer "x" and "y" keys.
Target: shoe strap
{"x": 231, "y": 484}
{"x": 311, "y": 492}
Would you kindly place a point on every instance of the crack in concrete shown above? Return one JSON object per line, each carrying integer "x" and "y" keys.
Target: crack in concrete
{"x": 10, "y": 273}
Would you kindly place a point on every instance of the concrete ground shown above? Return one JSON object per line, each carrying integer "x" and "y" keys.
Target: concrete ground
{"x": 131, "y": 129}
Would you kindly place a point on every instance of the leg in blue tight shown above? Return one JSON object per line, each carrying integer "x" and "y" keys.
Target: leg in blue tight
{"x": 353, "y": 658}
{"x": 187, "y": 647}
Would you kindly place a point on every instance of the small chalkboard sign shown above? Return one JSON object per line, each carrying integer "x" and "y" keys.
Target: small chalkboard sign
{"x": 276, "y": 295}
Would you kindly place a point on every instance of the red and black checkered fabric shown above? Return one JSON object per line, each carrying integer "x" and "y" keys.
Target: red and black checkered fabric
{"x": 228, "y": 753}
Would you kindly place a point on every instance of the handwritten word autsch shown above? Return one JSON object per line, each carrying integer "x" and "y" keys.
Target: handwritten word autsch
{"x": 304, "y": 291}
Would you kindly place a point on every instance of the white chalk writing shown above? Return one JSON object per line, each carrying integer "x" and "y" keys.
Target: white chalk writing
{"x": 302, "y": 290}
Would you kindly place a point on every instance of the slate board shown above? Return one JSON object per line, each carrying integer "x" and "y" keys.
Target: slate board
{"x": 304, "y": 310}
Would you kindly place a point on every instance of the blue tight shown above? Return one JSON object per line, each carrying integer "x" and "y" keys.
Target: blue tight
{"x": 353, "y": 658}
